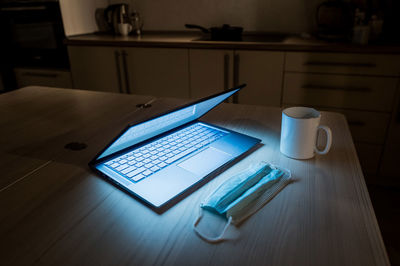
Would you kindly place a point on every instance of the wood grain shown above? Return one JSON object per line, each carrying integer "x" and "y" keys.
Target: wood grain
{"x": 64, "y": 214}
{"x": 37, "y": 122}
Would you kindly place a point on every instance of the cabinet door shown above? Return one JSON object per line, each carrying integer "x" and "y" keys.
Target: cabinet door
{"x": 389, "y": 169}
{"x": 211, "y": 71}
{"x": 262, "y": 71}
{"x": 161, "y": 72}
{"x": 95, "y": 68}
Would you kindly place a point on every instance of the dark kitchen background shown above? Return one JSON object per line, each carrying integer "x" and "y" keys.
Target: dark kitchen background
{"x": 33, "y": 51}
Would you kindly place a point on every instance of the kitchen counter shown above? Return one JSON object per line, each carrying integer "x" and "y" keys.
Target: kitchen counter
{"x": 185, "y": 39}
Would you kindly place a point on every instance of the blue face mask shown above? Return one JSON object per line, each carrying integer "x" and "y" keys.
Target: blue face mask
{"x": 242, "y": 195}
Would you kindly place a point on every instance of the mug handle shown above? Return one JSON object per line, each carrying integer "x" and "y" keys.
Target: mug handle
{"x": 328, "y": 140}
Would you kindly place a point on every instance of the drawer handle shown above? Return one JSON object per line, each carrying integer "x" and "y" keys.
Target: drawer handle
{"x": 23, "y": 8}
{"x": 398, "y": 115}
{"x": 356, "y": 123}
{"x": 339, "y": 64}
{"x": 357, "y": 89}
{"x": 43, "y": 75}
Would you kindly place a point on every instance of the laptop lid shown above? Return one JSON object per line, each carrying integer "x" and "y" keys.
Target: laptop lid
{"x": 138, "y": 132}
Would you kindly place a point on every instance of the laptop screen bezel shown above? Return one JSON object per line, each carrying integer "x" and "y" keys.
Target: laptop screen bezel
{"x": 96, "y": 159}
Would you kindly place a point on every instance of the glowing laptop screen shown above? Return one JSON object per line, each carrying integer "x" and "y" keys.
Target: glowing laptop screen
{"x": 148, "y": 129}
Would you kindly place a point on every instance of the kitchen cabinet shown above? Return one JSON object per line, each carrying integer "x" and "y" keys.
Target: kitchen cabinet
{"x": 262, "y": 71}
{"x": 211, "y": 71}
{"x": 96, "y": 68}
{"x": 43, "y": 77}
{"x": 389, "y": 169}
{"x": 361, "y": 86}
{"x": 161, "y": 72}
{"x": 214, "y": 70}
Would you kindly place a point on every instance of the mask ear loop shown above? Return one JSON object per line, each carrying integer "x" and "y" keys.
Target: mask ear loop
{"x": 208, "y": 238}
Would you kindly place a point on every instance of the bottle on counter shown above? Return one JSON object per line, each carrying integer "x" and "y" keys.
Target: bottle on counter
{"x": 137, "y": 23}
{"x": 360, "y": 29}
{"x": 375, "y": 28}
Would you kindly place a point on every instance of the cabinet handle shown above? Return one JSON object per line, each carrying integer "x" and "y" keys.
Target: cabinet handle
{"x": 316, "y": 87}
{"x": 226, "y": 72}
{"x": 117, "y": 55}
{"x": 236, "y": 61}
{"x": 23, "y": 8}
{"x": 126, "y": 73}
{"x": 339, "y": 64}
{"x": 356, "y": 123}
{"x": 43, "y": 75}
{"x": 398, "y": 115}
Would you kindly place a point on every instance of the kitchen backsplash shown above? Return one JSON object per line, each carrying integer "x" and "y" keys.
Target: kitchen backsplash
{"x": 294, "y": 16}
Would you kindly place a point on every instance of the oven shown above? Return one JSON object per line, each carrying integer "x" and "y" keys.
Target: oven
{"x": 33, "y": 35}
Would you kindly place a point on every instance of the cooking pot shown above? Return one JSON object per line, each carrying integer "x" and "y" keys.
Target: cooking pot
{"x": 224, "y": 33}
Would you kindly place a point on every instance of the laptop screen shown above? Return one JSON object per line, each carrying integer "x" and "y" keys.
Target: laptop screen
{"x": 153, "y": 127}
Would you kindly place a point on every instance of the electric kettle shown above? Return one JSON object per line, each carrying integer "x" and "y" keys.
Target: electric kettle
{"x": 334, "y": 20}
{"x": 116, "y": 14}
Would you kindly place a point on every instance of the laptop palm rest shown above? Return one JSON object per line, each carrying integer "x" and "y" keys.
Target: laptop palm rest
{"x": 205, "y": 161}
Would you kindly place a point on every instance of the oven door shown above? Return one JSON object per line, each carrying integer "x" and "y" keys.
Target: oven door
{"x": 34, "y": 34}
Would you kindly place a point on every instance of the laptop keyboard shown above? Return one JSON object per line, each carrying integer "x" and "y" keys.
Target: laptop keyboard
{"x": 144, "y": 161}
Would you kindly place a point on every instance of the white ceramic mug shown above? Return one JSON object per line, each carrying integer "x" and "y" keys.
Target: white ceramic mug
{"x": 300, "y": 126}
{"x": 124, "y": 28}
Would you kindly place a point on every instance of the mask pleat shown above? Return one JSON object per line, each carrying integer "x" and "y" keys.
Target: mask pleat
{"x": 235, "y": 187}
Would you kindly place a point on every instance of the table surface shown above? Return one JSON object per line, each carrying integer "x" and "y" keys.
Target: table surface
{"x": 54, "y": 210}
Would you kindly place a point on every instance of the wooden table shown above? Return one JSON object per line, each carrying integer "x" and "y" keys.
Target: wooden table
{"x": 54, "y": 210}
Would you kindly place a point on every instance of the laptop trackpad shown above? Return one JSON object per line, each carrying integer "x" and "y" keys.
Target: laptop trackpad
{"x": 206, "y": 161}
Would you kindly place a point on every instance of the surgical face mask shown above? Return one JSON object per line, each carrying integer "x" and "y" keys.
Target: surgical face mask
{"x": 242, "y": 195}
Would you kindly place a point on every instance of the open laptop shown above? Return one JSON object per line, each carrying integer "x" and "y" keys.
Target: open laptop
{"x": 162, "y": 157}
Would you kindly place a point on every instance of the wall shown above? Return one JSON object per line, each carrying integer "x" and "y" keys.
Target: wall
{"x": 293, "y": 16}
{"x": 79, "y": 15}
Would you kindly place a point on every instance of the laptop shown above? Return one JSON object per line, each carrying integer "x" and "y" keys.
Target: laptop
{"x": 160, "y": 158}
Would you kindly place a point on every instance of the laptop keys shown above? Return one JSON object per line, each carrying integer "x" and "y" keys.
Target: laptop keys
{"x": 121, "y": 167}
{"x": 147, "y": 172}
{"x": 180, "y": 155}
{"x": 149, "y": 165}
{"x": 155, "y": 168}
{"x": 153, "y": 157}
{"x": 135, "y": 172}
{"x": 162, "y": 164}
{"x": 127, "y": 170}
{"x": 138, "y": 177}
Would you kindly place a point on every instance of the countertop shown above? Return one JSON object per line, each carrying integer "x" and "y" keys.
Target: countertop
{"x": 259, "y": 41}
